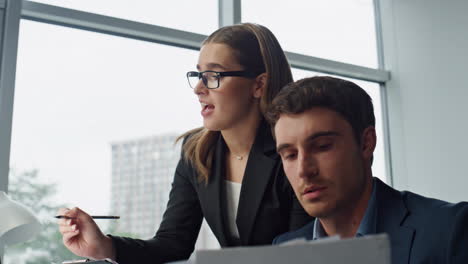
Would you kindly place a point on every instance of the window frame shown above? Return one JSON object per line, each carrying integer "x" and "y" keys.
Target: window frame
{"x": 11, "y": 11}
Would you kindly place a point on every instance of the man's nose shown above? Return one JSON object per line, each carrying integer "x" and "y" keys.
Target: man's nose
{"x": 307, "y": 166}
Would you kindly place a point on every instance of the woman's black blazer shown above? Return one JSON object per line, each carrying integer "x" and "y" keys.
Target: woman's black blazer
{"x": 267, "y": 207}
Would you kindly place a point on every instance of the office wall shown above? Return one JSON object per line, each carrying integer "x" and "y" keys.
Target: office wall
{"x": 425, "y": 46}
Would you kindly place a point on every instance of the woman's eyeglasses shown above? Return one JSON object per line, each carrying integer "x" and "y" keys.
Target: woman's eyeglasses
{"x": 211, "y": 78}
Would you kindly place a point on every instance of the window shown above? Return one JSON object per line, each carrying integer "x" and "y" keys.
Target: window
{"x": 83, "y": 98}
{"x": 200, "y": 16}
{"x": 341, "y": 30}
{"x": 95, "y": 113}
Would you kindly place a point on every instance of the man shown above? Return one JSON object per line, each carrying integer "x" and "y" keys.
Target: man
{"x": 325, "y": 135}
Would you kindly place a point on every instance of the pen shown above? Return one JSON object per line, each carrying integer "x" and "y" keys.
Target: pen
{"x": 93, "y": 216}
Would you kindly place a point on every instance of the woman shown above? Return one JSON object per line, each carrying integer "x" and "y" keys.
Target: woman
{"x": 230, "y": 172}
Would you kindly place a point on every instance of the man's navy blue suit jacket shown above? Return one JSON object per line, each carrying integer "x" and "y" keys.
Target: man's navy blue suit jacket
{"x": 421, "y": 230}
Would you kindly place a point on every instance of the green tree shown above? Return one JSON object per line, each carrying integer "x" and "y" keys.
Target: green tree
{"x": 47, "y": 247}
{"x": 26, "y": 188}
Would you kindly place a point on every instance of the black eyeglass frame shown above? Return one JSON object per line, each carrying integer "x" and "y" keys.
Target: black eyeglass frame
{"x": 246, "y": 74}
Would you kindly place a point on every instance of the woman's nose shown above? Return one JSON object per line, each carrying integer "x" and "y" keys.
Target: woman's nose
{"x": 200, "y": 88}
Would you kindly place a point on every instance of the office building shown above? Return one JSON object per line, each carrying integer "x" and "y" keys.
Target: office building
{"x": 142, "y": 172}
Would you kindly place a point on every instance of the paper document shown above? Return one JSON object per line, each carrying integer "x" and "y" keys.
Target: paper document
{"x": 363, "y": 250}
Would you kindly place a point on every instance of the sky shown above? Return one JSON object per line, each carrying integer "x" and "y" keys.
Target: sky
{"x": 78, "y": 91}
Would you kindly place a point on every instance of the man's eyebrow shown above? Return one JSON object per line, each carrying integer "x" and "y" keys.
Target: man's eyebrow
{"x": 321, "y": 134}
{"x": 282, "y": 146}
{"x": 312, "y": 137}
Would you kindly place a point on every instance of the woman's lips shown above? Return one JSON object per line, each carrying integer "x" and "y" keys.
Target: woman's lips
{"x": 207, "y": 109}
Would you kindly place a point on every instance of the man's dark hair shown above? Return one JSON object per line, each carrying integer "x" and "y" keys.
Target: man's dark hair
{"x": 341, "y": 96}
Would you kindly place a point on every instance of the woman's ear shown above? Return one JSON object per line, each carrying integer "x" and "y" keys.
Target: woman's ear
{"x": 261, "y": 81}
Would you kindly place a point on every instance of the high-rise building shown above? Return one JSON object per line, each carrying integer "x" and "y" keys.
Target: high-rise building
{"x": 142, "y": 173}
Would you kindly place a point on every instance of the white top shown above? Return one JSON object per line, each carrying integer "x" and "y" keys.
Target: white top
{"x": 233, "y": 190}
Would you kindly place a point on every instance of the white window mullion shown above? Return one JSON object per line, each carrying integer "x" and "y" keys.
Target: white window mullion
{"x": 229, "y": 12}
{"x": 9, "y": 27}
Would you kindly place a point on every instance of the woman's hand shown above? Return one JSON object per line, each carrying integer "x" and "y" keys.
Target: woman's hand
{"x": 82, "y": 236}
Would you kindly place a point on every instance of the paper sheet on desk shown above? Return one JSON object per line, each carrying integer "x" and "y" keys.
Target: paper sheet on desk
{"x": 363, "y": 250}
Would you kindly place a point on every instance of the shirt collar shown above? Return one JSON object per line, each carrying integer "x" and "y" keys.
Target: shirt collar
{"x": 319, "y": 232}
{"x": 368, "y": 223}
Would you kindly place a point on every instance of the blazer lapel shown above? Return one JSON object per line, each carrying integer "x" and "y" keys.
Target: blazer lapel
{"x": 257, "y": 174}
{"x": 213, "y": 212}
{"x": 391, "y": 214}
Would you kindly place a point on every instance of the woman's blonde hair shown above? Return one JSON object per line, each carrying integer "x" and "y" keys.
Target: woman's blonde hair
{"x": 257, "y": 50}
